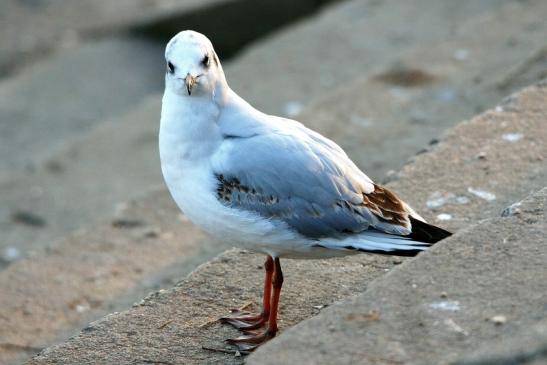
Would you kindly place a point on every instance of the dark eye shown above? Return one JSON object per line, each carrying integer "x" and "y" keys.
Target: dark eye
{"x": 170, "y": 67}
{"x": 205, "y": 61}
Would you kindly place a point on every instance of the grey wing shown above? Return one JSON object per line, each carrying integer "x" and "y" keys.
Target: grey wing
{"x": 306, "y": 181}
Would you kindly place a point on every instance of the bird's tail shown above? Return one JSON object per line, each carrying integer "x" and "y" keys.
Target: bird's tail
{"x": 423, "y": 236}
{"x": 425, "y": 232}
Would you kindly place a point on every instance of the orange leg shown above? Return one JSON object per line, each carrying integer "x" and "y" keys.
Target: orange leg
{"x": 250, "y": 321}
{"x": 249, "y": 342}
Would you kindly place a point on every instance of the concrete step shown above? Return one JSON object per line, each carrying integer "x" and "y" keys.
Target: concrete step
{"x": 65, "y": 95}
{"x": 81, "y": 183}
{"x": 94, "y": 271}
{"x": 32, "y": 28}
{"x": 471, "y": 175}
{"x": 399, "y": 108}
{"x": 487, "y": 282}
{"x": 284, "y": 72}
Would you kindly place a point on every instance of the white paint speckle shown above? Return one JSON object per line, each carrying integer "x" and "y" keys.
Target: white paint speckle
{"x": 483, "y": 194}
{"x": 499, "y": 109}
{"x": 512, "y": 137}
{"x": 80, "y": 308}
{"x": 444, "y": 217}
{"x": 455, "y": 327}
{"x": 11, "y": 254}
{"x": 462, "y": 199}
{"x": 400, "y": 94}
{"x": 499, "y": 319}
{"x": 446, "y": 95}
{"x": 438, "y": 199}
{"x": 292, "y": 108}
{"x": 446, "y": 305}
{"x": 461, "y": 54}
{"x": 360, "y": 120}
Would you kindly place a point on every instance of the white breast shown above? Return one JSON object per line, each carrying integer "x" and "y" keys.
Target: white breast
{"x": 186, "y": 146}
{"x": 194, "y": 191}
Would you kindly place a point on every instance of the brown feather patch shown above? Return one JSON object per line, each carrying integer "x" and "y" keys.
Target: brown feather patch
{"x": 386, "y": 206}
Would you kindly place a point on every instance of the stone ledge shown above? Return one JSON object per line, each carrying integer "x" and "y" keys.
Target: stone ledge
{"x": 486, "y": 282}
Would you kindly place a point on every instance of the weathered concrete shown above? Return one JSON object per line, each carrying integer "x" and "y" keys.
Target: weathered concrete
{"x": 527, "y": 346}
{"x": 400, "y": 107}
{"x": 95, "y": 271}
{"x": 62, "y": 97}
{"x": 171, "y": 326}
{"x": 485, "y": 282}
{"x": 31, "y": 28}
{"x": 344, "y": 42}
{"x": 81, "y": 183}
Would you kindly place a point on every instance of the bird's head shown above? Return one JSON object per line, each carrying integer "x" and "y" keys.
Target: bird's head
{"x": 192, "y": 66}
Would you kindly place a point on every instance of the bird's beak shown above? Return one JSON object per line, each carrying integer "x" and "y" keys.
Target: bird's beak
{"x": 190, "y": 81}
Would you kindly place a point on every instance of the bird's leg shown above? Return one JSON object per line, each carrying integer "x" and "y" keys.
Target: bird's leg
{"x": 249, "y": 342}
{"x": 250, "y": 321}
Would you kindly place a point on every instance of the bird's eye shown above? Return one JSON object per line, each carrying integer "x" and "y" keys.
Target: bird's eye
{"x": 205, "y": 61}
{"x": 170, "y": 67}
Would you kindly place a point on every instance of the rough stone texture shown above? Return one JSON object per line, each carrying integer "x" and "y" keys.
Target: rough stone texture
{"x": 171, "y": 326}
{"x": 344, "y": 42}
{"x": 436, "y": 308}
{"x": 62, "y": 97}
{"x": 399, "y": 108}
{"x": 33, "y": 27}
{"x": 82, "y": 182}
{"x": 478, "y": 157}
{"x": 528, "y": 346}
{"x": 96, "y": 271}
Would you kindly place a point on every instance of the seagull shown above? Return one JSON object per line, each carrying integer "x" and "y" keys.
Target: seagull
{"x": 269, "y": 184}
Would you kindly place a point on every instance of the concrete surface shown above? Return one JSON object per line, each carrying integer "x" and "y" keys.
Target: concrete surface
{"x": 170, "y": 327}
{"x": 528, "y": 346}
{"x": 399, "y": 108}
{"x": 343, "y": 42}
{"x": 486, "y": 282}
{"x": 64, "y": 96}
{"x": 82, "y": 182}
{"x": 95, "y": 271}
{"x": 29, "y": 29}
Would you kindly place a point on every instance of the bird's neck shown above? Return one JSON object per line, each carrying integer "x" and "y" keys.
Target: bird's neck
{"x": 189, "y": 128}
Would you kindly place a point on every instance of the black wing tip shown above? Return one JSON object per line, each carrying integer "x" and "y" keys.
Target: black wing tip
{"x": 394, "y": 252}
{"x": 425, "y": 232}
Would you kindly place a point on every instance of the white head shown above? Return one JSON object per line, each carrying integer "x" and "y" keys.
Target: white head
{"x": 193, "y": 67}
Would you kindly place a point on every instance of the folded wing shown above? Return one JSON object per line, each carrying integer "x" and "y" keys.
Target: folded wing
{"x": 307, "y": 181}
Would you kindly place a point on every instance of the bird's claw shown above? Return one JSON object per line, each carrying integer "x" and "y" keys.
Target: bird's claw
{"x": 246, "y": 322}
{"x": 248, "y": 343}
